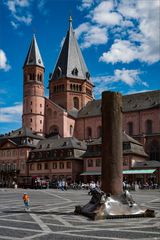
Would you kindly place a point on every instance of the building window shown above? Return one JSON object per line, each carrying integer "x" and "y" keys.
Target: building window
{"x": 31, "y": 167}
{"x": 99, "y": 131}
{"x": 76, "y": 102}
{"x": 98, "y": 162}
{"x": 154, "y": 151}
{"x": 148, "y": 126}
{"x": 46, "y": 166}
{"x": 54, "y": 165}
{"x": 40, "y": 105}
{"x": 71, "y": 130}
{"x": 90, "y": 163}
{"x": 31, "y": 120}
{"x": 89, "y": 132}
{"x": 69, "y": 165}
{"x": 39, "y": 166}
{"x": 75, "y": 72}
{"x": 126, "y": 146}
{"x": 61, "y": 165}
{"x": 31, "y": 103}
{"x": 130, "y": 128}
{"x": 40, "y": 121}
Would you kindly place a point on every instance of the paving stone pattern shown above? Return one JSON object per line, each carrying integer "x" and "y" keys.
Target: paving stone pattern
{"x": 51, "y": 217}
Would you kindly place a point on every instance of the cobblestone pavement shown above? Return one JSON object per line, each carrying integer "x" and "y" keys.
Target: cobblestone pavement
{"x": 51, "y": 217}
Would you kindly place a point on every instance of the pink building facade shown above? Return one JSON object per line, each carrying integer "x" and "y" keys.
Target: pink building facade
{"x": 72, "y": 113}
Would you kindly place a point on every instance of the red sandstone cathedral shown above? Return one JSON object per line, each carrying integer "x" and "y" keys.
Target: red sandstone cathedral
{"x": 60, "y": 136}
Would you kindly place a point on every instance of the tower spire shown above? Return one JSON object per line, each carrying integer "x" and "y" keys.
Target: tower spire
{"x": 33, "y": 55}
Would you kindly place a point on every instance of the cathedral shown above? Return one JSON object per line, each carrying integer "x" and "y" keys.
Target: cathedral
{"x": 60, "y": 136}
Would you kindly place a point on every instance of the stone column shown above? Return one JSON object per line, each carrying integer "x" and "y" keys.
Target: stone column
{"x": 112, "y": 163}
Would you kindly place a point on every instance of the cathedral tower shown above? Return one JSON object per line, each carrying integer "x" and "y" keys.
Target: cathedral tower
{"x": 33, "y": 90}
{"x": 70, "y": 85}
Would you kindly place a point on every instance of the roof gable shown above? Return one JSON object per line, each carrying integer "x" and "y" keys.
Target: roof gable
{"x": 7, "y": 144}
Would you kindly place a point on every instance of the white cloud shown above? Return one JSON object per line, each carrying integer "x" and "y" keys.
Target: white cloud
{"x": 104, "y": 14}
{"x": 11, "y": 114}
{"x": 121, "y": 50}
{"x": 19, "y": 11}
{"x": 24, "y": 19}
{"x": 86, "y": 4}
{"x": 130, "y": 77}
{"x": 134, "y": 26}
{"x": 94, "y": 36}
{"x": 91, "y": 35}
{"x": 3, "y": 61}
{"x": 82, "y": 28}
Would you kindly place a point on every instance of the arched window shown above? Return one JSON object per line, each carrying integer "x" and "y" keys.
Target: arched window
{"x": 130, "y": 128}
{"x": 99, "y": 131}
{"x": 71, "y": 130}
{"x": 148, "y": 126}
{"x": 40, "y": 78}
{"x": 154, "y": 152}
{"x": 76, "y": 102}
{"x": 71, "y": 86}
{"x": 33, "y": 76}
{"x": 89, "y": 132}
{"x": 54, "y": 130}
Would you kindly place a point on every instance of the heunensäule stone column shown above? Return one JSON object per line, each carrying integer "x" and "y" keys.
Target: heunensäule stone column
{"x": 112, "y": 164}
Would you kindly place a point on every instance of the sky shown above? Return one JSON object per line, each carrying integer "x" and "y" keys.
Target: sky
{"x": 119, "y": 39}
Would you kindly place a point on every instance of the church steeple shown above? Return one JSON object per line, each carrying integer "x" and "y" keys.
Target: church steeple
{"x": 70, "y": 85}
{"x": 70, "y": 62}
{"x": 33, "y": 90}
{"x": 33, "y": 55}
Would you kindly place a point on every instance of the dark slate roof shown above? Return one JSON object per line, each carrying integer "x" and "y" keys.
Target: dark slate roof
{"x": 60, "y": 143}
{"x": 33, "y": 55}
{"x": 141, "y": 101}
{"x": 133, "y": 102}
{"x": 127, "y": 138}
{"x": 70, "y": 58}
{"x": 92, "y": 108}
{"x": 147, "y": 164}
{"x": 21, "y": 132}
{"x": 134, "y": 147}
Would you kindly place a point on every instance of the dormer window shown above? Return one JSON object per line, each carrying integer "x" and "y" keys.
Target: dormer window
{"x": 59, "y": 72}
{"x": 39, "y": 61}
{"x": 87, "y": 75}
{"x": 75, "y": 72}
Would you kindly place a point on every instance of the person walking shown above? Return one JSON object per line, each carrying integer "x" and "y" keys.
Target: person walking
{"x": 26, "y": 201}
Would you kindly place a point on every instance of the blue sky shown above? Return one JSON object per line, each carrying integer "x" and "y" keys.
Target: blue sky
{"x": 120, "y": 42}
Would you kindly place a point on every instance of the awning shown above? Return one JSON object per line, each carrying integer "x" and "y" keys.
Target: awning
{"x": 90, "y": 173}
{"x": 139, "y": 171}
{"x": 135, "y": 171}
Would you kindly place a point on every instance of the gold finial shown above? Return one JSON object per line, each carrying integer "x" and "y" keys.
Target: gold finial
{"x": 70, "y": 19}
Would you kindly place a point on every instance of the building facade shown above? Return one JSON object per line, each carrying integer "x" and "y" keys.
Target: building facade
{"x": 73, "y": 116}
